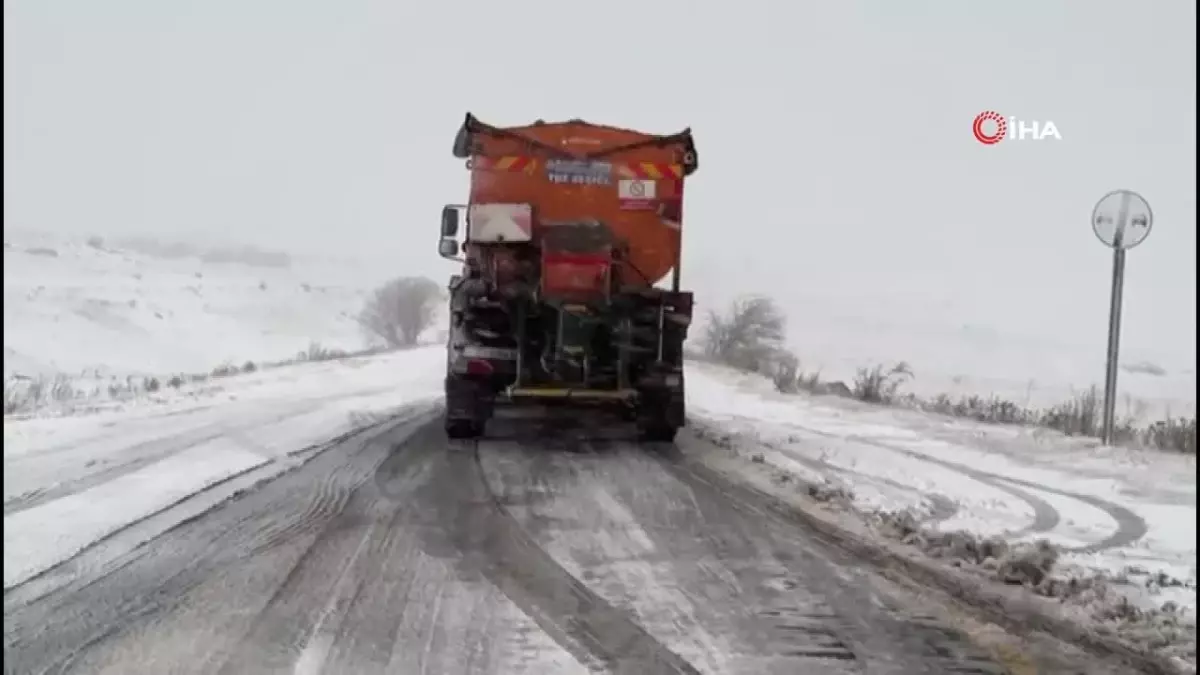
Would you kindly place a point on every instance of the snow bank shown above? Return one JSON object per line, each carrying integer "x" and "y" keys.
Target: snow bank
{"x": 70, "y": 482}
{"x": 1118, "y": 525}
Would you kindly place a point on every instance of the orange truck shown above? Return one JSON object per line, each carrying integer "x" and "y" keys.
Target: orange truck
{"x": 571, "y": 230}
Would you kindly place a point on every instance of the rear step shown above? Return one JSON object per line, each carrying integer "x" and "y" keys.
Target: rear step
{"x": 625, "y": 395}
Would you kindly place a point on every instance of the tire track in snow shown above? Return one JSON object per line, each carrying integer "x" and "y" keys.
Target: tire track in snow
{"x": 144, "y": 454}
{"x": 597, "y": 633}
{"x": 1130, "y": 527}
{"x": 173, "y": 586}
{"x": 119, "y": 548}
{"x": 355, "y": 531}
{"x": 692, "y": 563}
{"x": 821, "y": 607}
{"x": 941, "y": 507}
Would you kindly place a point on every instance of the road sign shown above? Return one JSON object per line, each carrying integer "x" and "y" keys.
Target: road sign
{"x": 1121, "y": 220}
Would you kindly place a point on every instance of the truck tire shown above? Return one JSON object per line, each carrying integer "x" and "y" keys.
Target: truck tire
{"x": 657, "y": 433}
{"x": 463, "y": 429}
{"x": 660, "y": 414}
{"x": 468, "y": 407}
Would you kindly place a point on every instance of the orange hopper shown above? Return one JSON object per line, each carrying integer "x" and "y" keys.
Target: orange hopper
{"x": 575, "y": 171}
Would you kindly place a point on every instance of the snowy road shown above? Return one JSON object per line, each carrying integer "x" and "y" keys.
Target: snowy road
{"x": 394, "y": 551}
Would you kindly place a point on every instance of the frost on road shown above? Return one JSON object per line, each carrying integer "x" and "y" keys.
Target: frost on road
{"x": 397, "y": 552}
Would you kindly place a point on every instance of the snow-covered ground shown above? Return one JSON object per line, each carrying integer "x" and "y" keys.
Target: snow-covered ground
{"x": 70, "y": 307}
{"x": 135, "y": 467}
{"x": 71, "y": 481}
{"x": 1128, "y": 514}
{"x": 837, "y": 335}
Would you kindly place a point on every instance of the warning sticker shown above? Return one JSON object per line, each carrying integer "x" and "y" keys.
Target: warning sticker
{"x": 637, "y": 195}
{"x": 579, "y": 172}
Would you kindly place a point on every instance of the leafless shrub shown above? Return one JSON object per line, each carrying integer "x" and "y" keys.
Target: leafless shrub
{"x": 982, "y": 409}
{"x": 18, "y": 395}
{"x": 316, "y": 352}
{"x": 876, "y": 385}
{"x": 789, "y": 378}
{"x": 1177, "y": 434}
{"x": 400, "y": 310}
{"x": 749, "y": 335}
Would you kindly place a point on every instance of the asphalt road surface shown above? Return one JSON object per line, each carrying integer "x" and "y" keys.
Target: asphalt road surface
{"x": 534, "y": 551}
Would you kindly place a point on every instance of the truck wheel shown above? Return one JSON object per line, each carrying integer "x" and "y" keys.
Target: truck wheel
{"x": 463, "y": 429}
{"x": 659, "y": 416}
{"x": 657, "y": 433}
{"x": 468, "y": 408}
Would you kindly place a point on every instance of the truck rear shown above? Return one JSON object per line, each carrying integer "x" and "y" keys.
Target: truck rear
{"x": 571, "y": 231}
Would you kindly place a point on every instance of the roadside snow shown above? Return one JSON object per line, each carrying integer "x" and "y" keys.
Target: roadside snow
{"x": 110, "y": 311}
{"x": 1121, "y": 513}
{"x": 71, "y": 481}
{"x": 36, "y": 539}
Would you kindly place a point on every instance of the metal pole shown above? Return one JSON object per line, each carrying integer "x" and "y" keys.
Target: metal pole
{"x": 1114, "y": 344}
{"x": 1114, "y": 323}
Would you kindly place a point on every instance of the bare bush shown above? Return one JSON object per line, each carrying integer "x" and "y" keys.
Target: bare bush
{"x": 789, "y": 378}
{"x": 25, "y": 394}
{"x": 316, "y": 352}
{"x": 1176, "y": 434}
{"x": 18, "y": 396}
{"x": 400, "y": 310}
{"x": 876, "y": 385}
{"x": 787, "y": 374}
{"x": 62, "y": 389}
{"x": 1079, "y": 416}
{"x": 749, "y": 336}
{"x": 981, "y": 409}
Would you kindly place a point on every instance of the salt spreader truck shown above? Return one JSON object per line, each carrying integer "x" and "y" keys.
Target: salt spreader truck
{"x": 571, "y": 231}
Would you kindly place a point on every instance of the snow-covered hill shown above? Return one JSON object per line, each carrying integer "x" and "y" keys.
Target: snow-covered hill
{"x": 72, "y": 306}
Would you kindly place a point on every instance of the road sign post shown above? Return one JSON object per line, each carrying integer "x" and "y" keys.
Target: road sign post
{"x": 1121, "y": 220}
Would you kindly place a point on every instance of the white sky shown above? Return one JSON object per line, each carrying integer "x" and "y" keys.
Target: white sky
{"x": 837, "y": 163}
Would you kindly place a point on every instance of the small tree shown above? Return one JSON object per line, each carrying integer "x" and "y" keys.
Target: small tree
{"x": 400, "y": 310}
{"x": 748, "y": 336}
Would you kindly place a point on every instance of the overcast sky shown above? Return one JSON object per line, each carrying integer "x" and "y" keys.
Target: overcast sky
{"x": 837, "y": 161}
